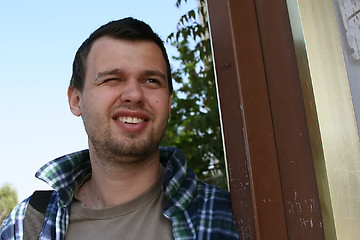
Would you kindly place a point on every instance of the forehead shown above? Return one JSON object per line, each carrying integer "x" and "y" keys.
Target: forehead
{"x": 116, "y": 49}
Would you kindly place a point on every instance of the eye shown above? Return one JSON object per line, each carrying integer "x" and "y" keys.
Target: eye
{"x": 152, "y": 80}
{"x": 108, "y": 81}
{"x": 111, "y": 79}
{"x": 155, "y": 83}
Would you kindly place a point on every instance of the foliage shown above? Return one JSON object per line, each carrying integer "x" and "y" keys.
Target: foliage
{"x": 194, "y": 126}
{"x": 8, "y": 200}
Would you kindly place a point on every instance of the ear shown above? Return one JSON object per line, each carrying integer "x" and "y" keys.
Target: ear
{"x": 74, "y": 98}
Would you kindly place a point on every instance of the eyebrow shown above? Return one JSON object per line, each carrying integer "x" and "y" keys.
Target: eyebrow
{"x": 154, "y": 73}
{"x": 117, "y": 71}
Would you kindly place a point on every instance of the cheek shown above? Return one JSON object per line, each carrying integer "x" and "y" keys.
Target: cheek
{"x": 102, "y": 98}
{"x": 161, "y": 105}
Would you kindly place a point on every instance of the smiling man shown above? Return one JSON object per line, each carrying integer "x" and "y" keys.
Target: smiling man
{"x": 124, "y": 186}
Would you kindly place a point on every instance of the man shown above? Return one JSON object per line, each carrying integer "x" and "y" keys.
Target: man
{"x": 125, "y": 186}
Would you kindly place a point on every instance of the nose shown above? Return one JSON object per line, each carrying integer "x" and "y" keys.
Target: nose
{"x": 131, "y": 92}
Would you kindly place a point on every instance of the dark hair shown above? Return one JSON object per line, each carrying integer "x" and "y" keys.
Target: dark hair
{"x": 128, "y": 29}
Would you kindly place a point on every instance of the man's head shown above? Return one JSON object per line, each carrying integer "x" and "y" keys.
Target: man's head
{"x": 126, "y": 29}
{"x": 121, "y": 87}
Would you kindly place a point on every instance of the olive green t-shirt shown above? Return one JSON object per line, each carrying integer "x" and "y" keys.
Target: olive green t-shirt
{"x": 138, "y": 219}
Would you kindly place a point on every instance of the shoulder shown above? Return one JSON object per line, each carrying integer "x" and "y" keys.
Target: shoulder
{"x": 214, "y": 210}
{"x": 12, "y": 226}
{"x": 213, "y": 195}
{"x": 214, "y": 203}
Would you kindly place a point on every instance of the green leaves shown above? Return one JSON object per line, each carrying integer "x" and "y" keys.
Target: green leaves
{"x": 8, "y": 200}
{"x": 194, "y": 126}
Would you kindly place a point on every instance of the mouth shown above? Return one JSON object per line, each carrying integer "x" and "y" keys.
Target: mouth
{"x": 130, "y": 120}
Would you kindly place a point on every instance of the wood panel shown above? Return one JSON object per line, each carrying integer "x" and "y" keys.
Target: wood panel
{"x": 267, "y": 145}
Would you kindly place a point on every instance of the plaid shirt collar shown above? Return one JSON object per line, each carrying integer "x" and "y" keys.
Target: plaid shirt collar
{"x": 66, "y": 174}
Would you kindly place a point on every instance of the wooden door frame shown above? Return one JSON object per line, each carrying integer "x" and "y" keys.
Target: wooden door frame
{"x": 268, "y": 152}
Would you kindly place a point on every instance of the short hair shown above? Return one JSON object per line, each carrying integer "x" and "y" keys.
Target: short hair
{"x": 127, "y": 29}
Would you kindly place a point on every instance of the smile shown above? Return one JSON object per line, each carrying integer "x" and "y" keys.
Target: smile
{"x": 131, "y": 120}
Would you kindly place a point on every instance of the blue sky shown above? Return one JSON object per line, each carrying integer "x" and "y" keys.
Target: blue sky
{"x": 38, "y": 41}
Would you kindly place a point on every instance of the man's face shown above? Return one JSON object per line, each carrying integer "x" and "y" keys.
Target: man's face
{"x": 125, "y": 103}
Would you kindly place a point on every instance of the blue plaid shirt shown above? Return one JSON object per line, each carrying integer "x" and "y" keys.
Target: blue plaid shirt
{"x": 197, "y": 210}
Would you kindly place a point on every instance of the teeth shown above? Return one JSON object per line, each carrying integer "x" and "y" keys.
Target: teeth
{"x": 132, "y": 120}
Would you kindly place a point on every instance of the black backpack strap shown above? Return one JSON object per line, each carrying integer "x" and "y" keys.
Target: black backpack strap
{"x": 35, "y": 214}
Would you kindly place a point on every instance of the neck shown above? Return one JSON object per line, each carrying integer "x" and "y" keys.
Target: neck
{"x": 113, "y": 184}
